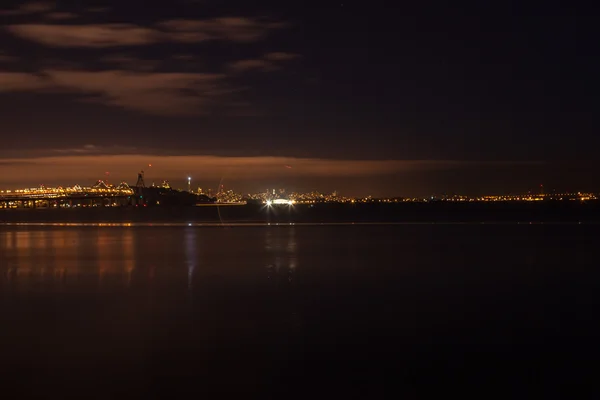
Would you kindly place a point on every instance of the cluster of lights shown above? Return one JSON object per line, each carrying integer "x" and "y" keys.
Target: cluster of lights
{"x": 271, "y": 198}
{"x": 44, "y": 192}
{"x": 299, "y": 198}
{"x": 229, "y": 196}
{"x": 316, "y": 197}
{"x": 579, "y": 196}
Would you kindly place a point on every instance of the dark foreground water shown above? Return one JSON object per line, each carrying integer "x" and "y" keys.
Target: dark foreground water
{"x": 367, "y": 311}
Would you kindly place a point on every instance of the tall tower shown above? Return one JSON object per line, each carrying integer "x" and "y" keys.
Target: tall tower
{"x": 189, "y": 184}
{"x": 140, "y": 181}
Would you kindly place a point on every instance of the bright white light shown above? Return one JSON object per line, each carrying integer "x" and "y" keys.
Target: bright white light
{"x": 269, "y": 202}
{"x": 282, "y": 201}
{"x": 189, "y": 178}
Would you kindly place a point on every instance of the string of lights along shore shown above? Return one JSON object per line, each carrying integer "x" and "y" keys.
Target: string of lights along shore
{"x": 104, "y": 194}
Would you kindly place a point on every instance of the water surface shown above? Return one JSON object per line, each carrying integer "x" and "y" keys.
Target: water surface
{"x": 101, "y": 311}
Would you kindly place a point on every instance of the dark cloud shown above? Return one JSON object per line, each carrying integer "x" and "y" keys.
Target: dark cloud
{"x": 155, "y": 93}
{"x": 36, "y": 7}
{"x": 184, "y": 57}
{"x": 171, "y": 85}
{"x": 5, "y": 58}
{"x": 129, "y": 62}
{"x": 266, "y": 63}
{"x": 98, "y": 10}
{"x": 235, "y": 29}
{"x": 19, "y": 81}
{"x": 124, "y": 34}
{"x": 59, "y": 16}
{"x": 245, "y": 65}
{"x": 95, "y": 36}
{"x": 281, "y": 56}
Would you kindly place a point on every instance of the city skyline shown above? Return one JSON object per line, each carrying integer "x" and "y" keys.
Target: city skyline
{"x": 104, "y": 194}
{"x": 411, "y": 101}
{"x": 223, "y": 193}
{"x": 356, "y": 178}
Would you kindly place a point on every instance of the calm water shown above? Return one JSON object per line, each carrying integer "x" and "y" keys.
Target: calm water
{"x": 295, "y": 311}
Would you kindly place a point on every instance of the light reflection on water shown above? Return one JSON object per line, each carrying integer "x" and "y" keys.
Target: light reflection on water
{"x": 282, "y": 248}
{"x": 191, "y": 253}
{"x": 107, "y": 257}
{"x": 30, "y": 258}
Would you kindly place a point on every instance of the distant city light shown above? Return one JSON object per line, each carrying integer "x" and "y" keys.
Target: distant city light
{"x": 280, "y": 201}
{"x": 106, "y": 194}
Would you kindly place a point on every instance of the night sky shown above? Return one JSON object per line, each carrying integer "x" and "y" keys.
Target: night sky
{"x": 394, "y": 98}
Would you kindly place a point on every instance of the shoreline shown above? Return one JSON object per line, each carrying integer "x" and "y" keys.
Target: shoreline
{"x": 568, "y": 212}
